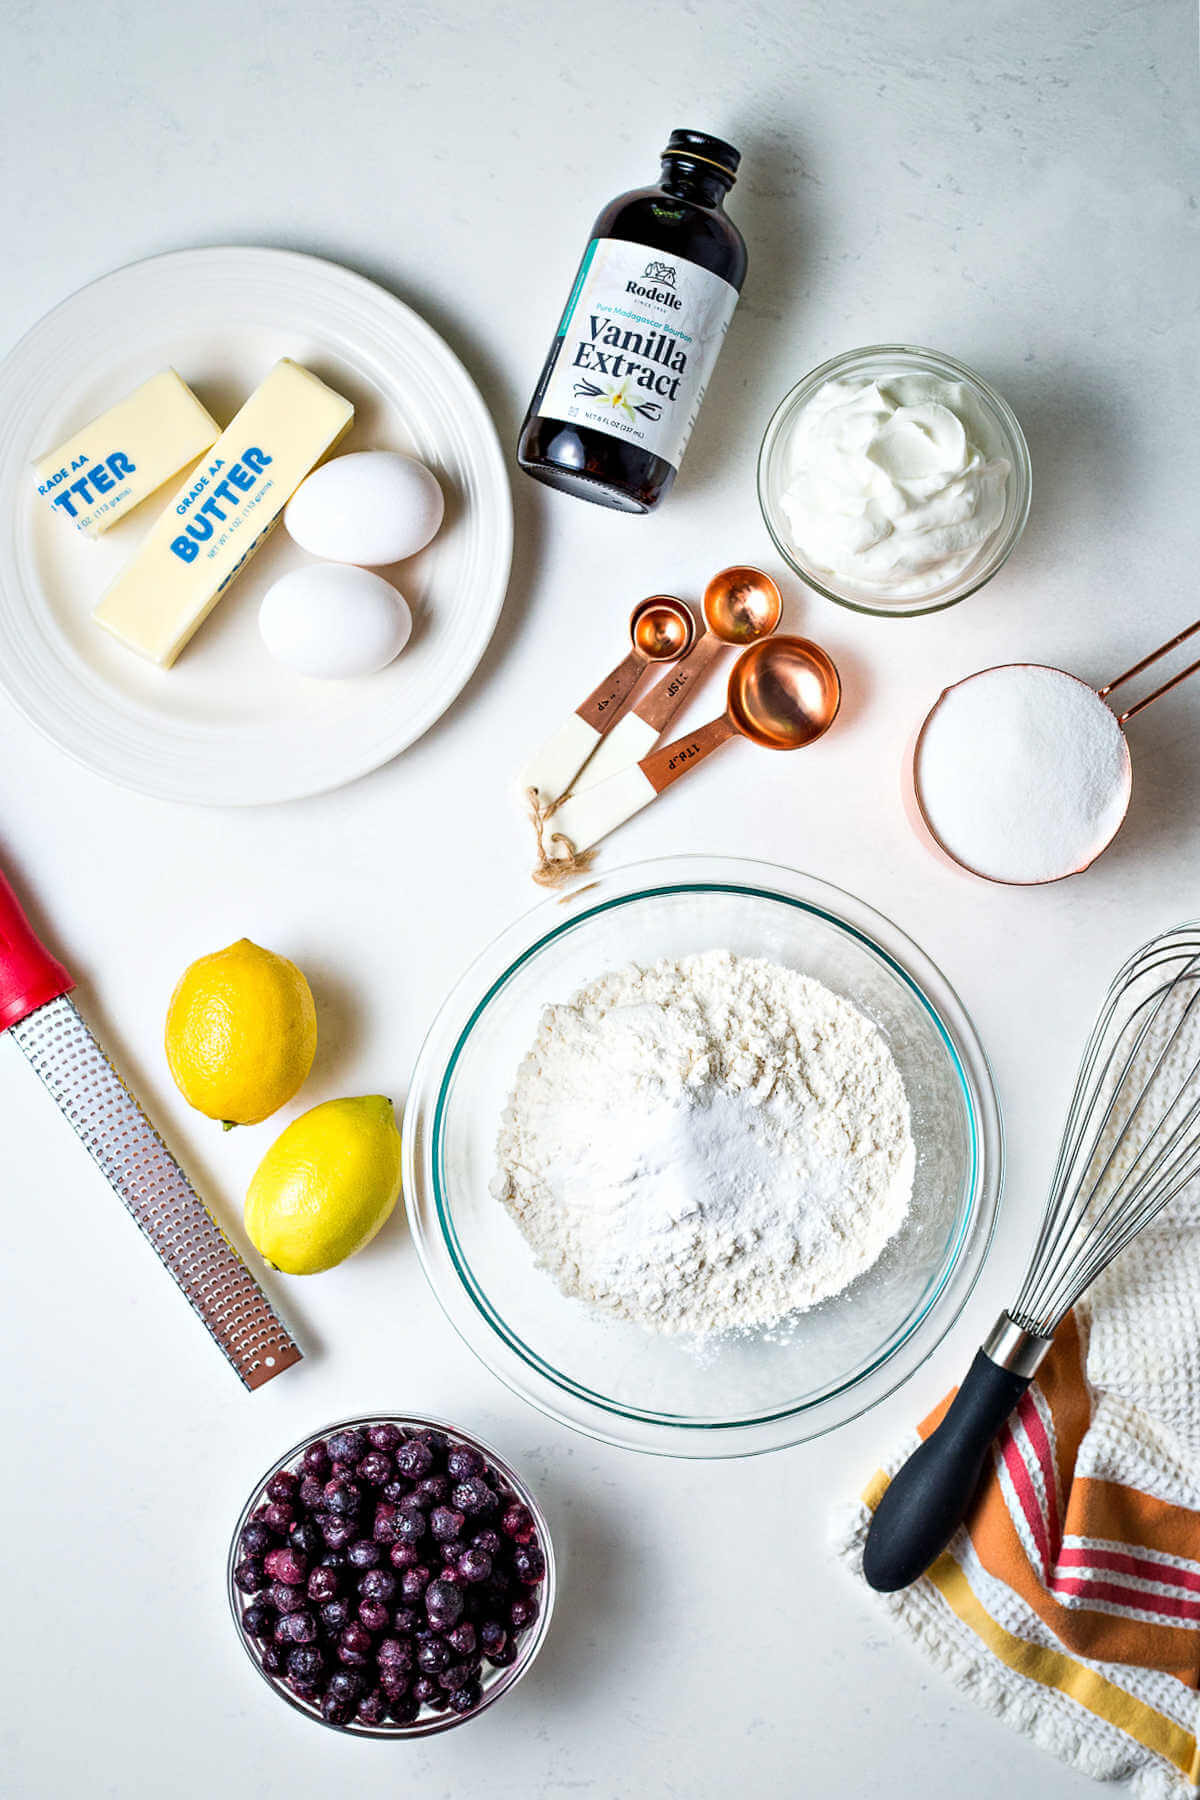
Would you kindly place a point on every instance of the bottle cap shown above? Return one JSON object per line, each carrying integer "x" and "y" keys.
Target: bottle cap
{"x": 698, "y": 147}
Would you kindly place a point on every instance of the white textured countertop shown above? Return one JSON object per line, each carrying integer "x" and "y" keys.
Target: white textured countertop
{"x": 1006, "y": 183}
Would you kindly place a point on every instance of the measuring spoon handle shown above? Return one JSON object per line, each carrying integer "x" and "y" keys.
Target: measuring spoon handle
{"x": 554, "y": 767}
{"x": 587, "y": 817}
{"x": 636, "y": 734}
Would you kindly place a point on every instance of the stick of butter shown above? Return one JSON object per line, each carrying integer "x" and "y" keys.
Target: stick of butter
{"x": 115, "y": 461}
{"x": 223, "y": 512}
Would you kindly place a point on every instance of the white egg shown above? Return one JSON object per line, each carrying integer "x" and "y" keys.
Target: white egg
{"x": 330, "y": 620}
{"x": 371, "y": 507}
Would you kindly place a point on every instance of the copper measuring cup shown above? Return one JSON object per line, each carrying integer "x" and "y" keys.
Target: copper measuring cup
{"x": 914, "y": 805}
{"x": 741, "y": 605}
{"x": 784, "y": 693}
{"x": 661, "y": 628}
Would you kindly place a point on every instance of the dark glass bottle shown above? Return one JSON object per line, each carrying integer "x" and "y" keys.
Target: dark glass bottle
{"x": 621, "y": 387}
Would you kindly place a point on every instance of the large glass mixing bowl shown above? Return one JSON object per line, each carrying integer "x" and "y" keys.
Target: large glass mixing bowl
{"x": 615, "y": 1380}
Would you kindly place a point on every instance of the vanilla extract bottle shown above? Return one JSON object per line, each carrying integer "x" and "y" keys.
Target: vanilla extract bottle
{"x": 643, "y": 326}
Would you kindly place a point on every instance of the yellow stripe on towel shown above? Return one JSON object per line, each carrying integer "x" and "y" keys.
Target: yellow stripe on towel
{"x": 1052, "y": 1668}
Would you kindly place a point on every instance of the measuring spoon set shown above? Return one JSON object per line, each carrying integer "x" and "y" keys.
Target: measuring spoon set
{"x": 601, "y": 767}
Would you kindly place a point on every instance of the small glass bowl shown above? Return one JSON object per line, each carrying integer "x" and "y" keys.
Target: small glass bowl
{"x": 495, "y": 1681}
{"x": 882, "y": 360}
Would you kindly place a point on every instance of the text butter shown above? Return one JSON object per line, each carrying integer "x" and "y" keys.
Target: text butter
{"x": 110, "y": 466}
{"x": 219, "y": 518}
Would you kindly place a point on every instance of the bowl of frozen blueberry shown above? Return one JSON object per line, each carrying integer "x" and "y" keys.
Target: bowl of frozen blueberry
{"x": 391, "y": 1577}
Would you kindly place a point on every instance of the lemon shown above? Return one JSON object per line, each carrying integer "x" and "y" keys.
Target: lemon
{"x": 241, "y": 1033}
{"x": 326, "y": 1185}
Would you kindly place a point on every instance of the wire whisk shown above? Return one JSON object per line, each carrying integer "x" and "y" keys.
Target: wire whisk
{"x": 1130, "y": 1145}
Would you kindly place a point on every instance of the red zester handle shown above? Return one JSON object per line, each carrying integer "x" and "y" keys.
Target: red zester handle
{"x": 29, "y": 975}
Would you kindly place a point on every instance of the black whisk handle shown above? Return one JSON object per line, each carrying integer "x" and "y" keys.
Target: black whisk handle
{"x": 927, "y": 1500}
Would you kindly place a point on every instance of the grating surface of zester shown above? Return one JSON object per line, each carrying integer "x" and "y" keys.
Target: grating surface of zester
{"x": 122, "y": 1141}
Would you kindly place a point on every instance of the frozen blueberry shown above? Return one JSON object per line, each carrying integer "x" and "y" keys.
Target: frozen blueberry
{"x": 463, "y": 1462}
{"x": 386, "y": 1437}
{"x": 433, "y": 1654}
{"x": 335, "y": 1711}
{"x": 322, "y": 1585}
{"x": 504, "y": 1657}
{"x": 372, "y": 1708}
{"x": 517, "y": 1523}
{"x": 305, "y": 1664}
{"x": 490, "y": 1541}
{"x": 463, "y": 1640}
{"x": 286, "y": 1566}
{"x": 296, "y": 1628}
{"x": 347, "y": 1684}
{"x": 414, "y": 1459}
{"x": 405, "y": 1621}
{"x": 403, "y": 1709}
{"x": 335, "y": 1531}
{"x": 522, "y": 1611}
{"x": 446, "y": 1524}
{"x": 274, "y": 1659}
{"x": 426, "y": 1689}
{"x": 404, "y": 1556}
{"x": 414, "y": 1581}
{"x": 395, "y": 1490}
{"x": 444, "y": 1604}
{"x": 249, "y": 1576}
{"x": 377, "y": 1584}
{"x": 435, "y": 1440}
{"x": 256, "y": 1539}
{"x": 280, "y": 1515}
{"x": 394, "y": 1653}
{"x": 283, "y": 1485}
{"x": 374, "y": 1615}
{"x": 364, "y": 1553}
{"x": 492, "y": 1636}
{"x": 473, "y": 1496}
{"x": 284, "y": 1597}
{"x": 305, "y": 1536}
{"x": 465, "y": 1699}
{"x": 349, "y": 1446}
{"x": 409, "y": 1525}
{"x": 354, "y": 1645}
{"x": 431, "y": 1490}
{"x": 258, "y": 1620}
{"x": 335, "y": 1615}
{"x": 316, "y": 1458}
{"x": 342, "y": 1497}
{"x": 375, "y": 1468}
{"x": 528, "y": 1563}
{"x": 474, "y": 1565}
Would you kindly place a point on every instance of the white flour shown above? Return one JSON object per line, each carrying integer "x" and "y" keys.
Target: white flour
{"x": 1023, "y": 773}
{"x": 706, "y": 1145}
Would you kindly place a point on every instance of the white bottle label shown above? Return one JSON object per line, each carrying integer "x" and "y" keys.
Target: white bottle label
{"x": 637, "y": 344}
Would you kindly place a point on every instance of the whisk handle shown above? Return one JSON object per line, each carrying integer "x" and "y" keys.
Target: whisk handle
{"x": 928, "y": 1498}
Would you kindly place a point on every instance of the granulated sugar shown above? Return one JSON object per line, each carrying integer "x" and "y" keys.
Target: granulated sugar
{"x": 1023, "y": 773}
{"x": 706, "y": 1145}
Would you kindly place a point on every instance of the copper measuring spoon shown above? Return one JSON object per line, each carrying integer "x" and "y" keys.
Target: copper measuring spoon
{"x": 784, "y": 693}
{"x": 912, "y": 791}
{"x": 661, "y": 629}
{"x": 741, "y": 605}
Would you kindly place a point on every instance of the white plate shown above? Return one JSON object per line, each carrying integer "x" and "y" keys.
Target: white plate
{"x": 227, "y": 726}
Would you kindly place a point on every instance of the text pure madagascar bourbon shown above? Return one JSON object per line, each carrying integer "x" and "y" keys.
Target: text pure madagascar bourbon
{"x": 621, "y": 387}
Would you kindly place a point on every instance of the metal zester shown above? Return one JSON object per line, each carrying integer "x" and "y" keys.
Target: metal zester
{"x": 43, "y": 1023}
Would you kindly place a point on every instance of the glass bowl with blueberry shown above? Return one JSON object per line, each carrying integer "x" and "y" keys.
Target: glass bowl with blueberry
{"x": 391, "y": 1577}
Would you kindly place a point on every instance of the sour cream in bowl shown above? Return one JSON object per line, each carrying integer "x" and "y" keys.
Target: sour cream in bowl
{"x": 894, "y": 480}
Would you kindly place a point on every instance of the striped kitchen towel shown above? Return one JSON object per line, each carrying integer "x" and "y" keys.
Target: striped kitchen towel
{"x": 1069, "y": 1603}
